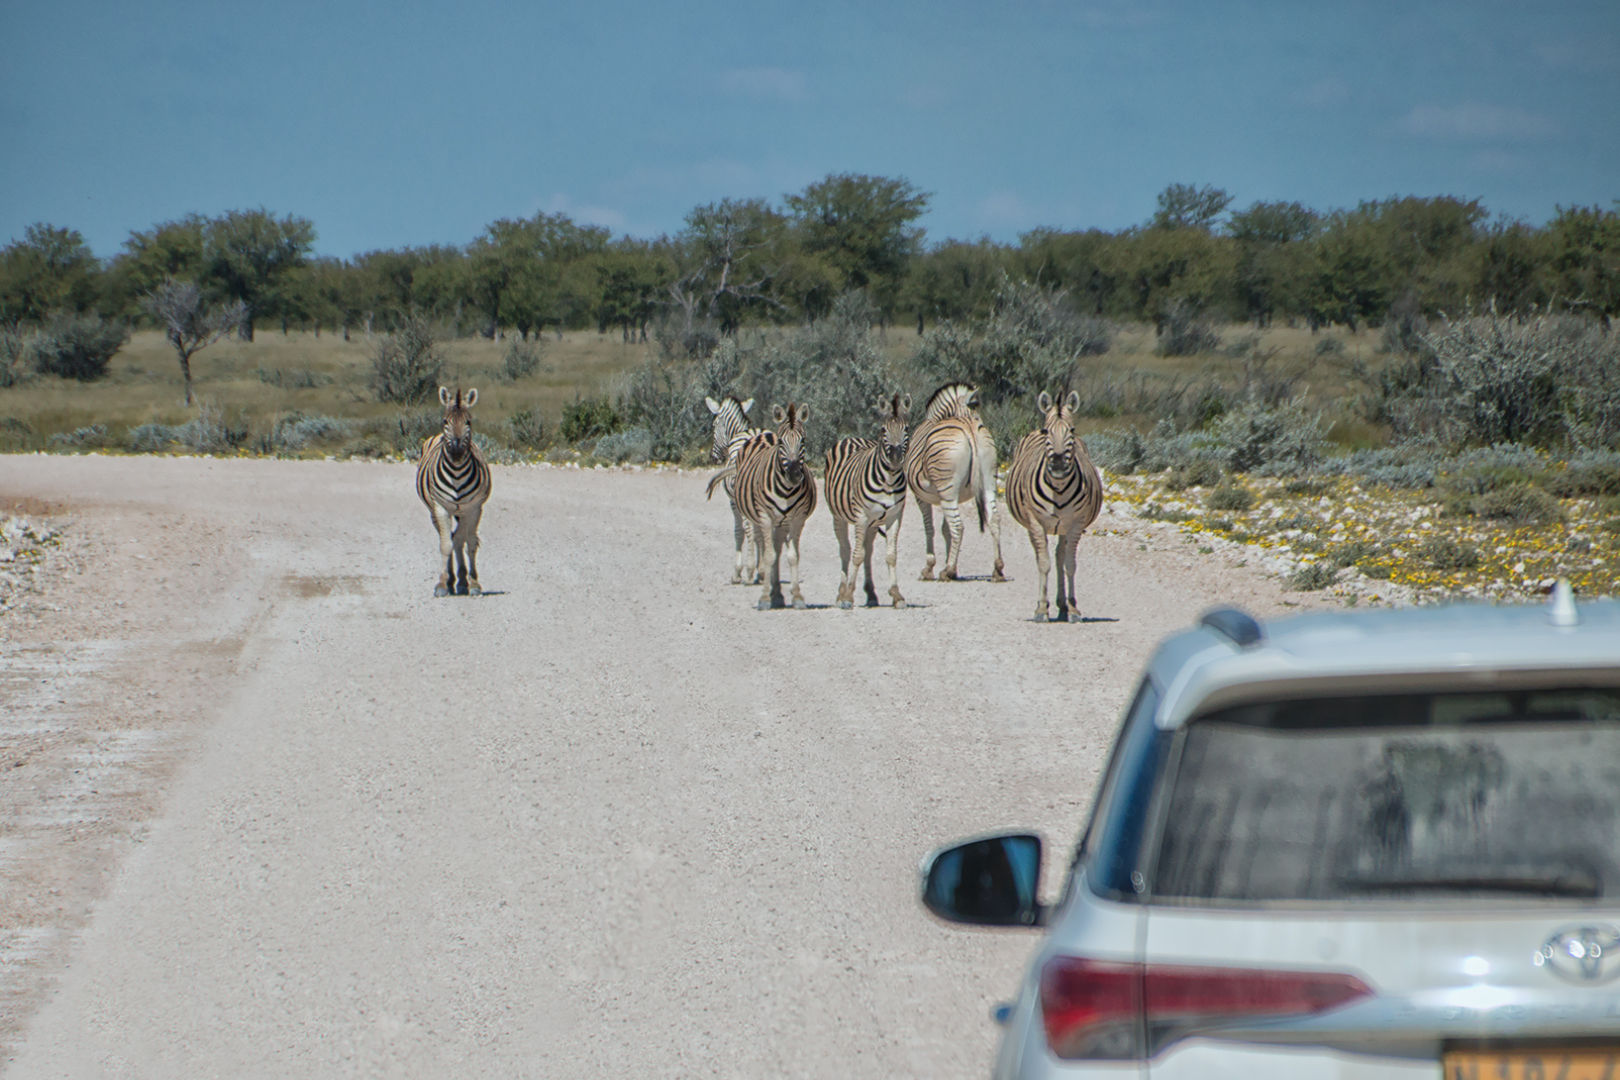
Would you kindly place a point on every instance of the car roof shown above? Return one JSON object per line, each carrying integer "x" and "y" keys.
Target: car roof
{"x": 1446, "y": 647}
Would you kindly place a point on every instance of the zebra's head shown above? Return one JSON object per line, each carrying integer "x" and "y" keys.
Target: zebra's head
{"x": 893, "y": 436}
{"x": 790, "y": 438}
{"x": 457, "y": 419}
{"x": 730, "y": 420}
{"x": 1058, "y": 427}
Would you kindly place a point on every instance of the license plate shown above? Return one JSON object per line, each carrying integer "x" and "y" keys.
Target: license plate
{"x": 1572, "y": 1064}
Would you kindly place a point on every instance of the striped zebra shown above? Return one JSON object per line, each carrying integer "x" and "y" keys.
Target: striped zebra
{"x": 866, "y": 487}
{"x": 775, "y": 493}
{"x": 453, "y": 480}
{"x": 1052, "y": 487}
{"x": 952, "y": 460}
{"x": 731, "y": 423}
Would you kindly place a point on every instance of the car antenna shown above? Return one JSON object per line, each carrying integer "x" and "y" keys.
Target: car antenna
{"x": 1561, "y": 606}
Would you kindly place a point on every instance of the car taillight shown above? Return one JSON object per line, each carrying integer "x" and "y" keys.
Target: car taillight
{"x": 1109, "y": 1010}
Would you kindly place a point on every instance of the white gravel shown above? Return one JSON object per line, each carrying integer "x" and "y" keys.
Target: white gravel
{"x": 271, "y": 810}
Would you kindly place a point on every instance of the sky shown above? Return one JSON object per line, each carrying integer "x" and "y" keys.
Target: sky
{"x": 403, "y": 123}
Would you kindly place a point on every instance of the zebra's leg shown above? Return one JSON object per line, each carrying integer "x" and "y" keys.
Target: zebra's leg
{"x": 869, "y": 530}
{"x": 1037, "y": 540}
{"x": 1074, "y": 544}
{"x": 445, "y": 523}
{"x": 995, "y": 530}
{"x": 761, "y": 529}
{"x": 952, "y": 512}
{"x": 846, "y": 583}
{"x": 793, "y": 531}
{"x": 740, "y": 532}
{"x": 893, "y": 539}
{"x": 928, "y": 539}
{"x": 467, "y": 531}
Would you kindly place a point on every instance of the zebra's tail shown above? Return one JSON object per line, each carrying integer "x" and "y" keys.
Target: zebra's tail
{"x": 978, "y": 501}
{"x": 719, "y": 478}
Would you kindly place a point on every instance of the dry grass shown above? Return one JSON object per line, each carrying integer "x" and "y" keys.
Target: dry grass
{"x": 143, "y": 383}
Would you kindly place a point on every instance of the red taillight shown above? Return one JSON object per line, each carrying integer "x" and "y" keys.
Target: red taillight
{"x": 1099, "y": 1009}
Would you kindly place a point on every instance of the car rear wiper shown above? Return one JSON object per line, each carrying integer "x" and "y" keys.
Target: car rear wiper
{"x": 1578, "y": 885}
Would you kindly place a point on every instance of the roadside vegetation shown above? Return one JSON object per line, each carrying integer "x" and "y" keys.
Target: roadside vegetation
{"x": 1401, "y": 400}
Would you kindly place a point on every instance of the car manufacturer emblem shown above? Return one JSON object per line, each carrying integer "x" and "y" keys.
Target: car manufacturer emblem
{"x": 1582, "y": 954}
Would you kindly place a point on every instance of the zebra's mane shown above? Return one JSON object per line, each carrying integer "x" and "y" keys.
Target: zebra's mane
{"x": 950, "y": 399}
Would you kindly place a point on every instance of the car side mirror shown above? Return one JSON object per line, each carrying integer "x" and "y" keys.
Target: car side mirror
{"x": 988, "y": 881}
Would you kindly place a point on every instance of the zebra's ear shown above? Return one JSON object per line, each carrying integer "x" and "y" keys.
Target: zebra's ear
{"x": 746, "y": 405}
{"x": 804, "y": 413}
{"x": 778, "y": 414}
{"x": 472, "y": 398}
{"x": 714, "y": 406}
{"x": 905, "y": 405}
{"x": 1044, "y": 402}
{"x": 444, "y": 396}
{"x": 1072, "y": 402}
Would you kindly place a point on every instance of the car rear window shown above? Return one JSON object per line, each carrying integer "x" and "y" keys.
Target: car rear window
{"x": 1413, "y": 796}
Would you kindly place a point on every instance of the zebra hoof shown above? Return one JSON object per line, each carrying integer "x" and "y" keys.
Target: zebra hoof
{"x": 799, "y": 604}
{"x": 899, "y": 603}
{"x": 926, "y": 575}
{"x": 763, "y": 605}
{"x": 474, "y": 590}
{"x": 847, "y": 605}
{"x": 440, "y": 590}
{"x": 949, "y": 575}
{"x": 1040, "y": 616}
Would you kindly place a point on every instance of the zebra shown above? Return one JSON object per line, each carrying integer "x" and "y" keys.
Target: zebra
{"x": 952, "y": 459}
{"x": 776, "y": 493}
{"x": 1052, "y": 487}
{"x": 730, "y": 422}
{"x": 453, "y": 480}
{"x": 866, "y": 486}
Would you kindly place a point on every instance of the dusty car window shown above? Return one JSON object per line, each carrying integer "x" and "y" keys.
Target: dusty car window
{"x": 1499, "y": 795}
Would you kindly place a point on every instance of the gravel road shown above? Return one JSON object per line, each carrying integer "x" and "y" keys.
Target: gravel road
{"x": 271, "y": 810}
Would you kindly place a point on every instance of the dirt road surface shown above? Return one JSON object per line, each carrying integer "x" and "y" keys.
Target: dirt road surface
{"x": 272, "y": 810}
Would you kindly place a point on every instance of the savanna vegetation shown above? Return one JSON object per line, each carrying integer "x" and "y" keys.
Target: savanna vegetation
{"x": 1414, "y": 346}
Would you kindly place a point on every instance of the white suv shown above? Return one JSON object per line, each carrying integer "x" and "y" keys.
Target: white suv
{"x": 1381, "y": 844}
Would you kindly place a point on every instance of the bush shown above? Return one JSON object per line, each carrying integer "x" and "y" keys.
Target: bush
{"x": 1449, "y": 555}
{"x": 1586, "y": 476}
{"x": 1229, "y": 497}
{"x": 1284, "y": 439}
{"x": 589, "y": 418}
{"x": 209, "y": 432}
{"x": 1522, "y": 503}
{"x": 1185, "y": 331}
{"x": 522, "y": 358}
{"x": 94, "y": 436}
{"x": 528, "y": 429}
{"x": 632, "y": 445}
{"x": 407, "y": 365}
{"x": 17, "y": 361}
{"x": 665, "y": 396}
{"x": 1352, "y": 553}
{"x": 78, "y": 346}
{"x": 1313, "y": 577}
{"x": 295, "y": 431}
{"x": 1203, "y": 473}
{"x": 293, "y": 380}
{"x": 1328, "y": 346}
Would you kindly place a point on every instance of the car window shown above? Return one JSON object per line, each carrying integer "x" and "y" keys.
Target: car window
{"x": 1415, "y": 796}
{"x": 1114, "y": 837}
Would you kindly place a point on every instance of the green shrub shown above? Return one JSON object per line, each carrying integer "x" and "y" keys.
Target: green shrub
{"x": 522, "y": 358}
{"x": 1193, "y": 474}
{"x": 1313, "y": 577}
{"x": 528, "y": 429}
{"x": 78, "y": 346}
{"x": 1521, "y": 503}
{"x": 92, "y": 437}
{"x": 1352, "y": 553}
{"x": 630, "y": 445}
{"x": 407, "y": 365}
{"x": 1229, "y": 497}
{"x": 589, "y": 418}
{"x": 1185, "y": 331}
{"x": 1587, "y": 475}
{"x": 1442, "y": 554}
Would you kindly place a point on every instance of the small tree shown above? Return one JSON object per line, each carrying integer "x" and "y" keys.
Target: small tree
{"x": 78, "y": 346}
{"x": 189, "y": 323}
{"x": 406, "y": 365}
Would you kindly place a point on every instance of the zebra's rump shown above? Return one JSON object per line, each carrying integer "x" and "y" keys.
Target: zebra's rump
{"x": 936, "y": 455}
{"x": 458, "y": 486}
{"x": 762, "y": 488}
{"x": 1038, "y": 500}
{"x": 859, "y": 481}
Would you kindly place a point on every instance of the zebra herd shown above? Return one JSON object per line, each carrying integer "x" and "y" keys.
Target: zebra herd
{"x": 1052, "y": 488}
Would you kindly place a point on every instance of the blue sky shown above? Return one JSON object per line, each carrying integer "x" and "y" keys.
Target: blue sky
{"x": 403, "y": 123}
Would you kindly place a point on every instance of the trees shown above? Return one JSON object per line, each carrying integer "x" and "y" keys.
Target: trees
{"x": 189, "y": 322}
{"x": 49, "y": 269}
{"x": 1273, "y": 257}
{"x": 861, "y": 227}
{"x": 1584, "y": 259}
{"x": 1182, "y": 206}
{"x": 726, "y": 262}
{"x": 518, "y": 272}
{"x": 170, "y": 249}
{"x": 248, "y": 254}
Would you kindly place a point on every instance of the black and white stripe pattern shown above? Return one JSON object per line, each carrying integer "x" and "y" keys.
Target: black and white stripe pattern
{"x": 730, "y": 432}
{"x": 1052, "y": 487}
{"x": 952, "y": 460}
{"x": 453, "y": 481}
{"x": 866, "y": 487}
{"x": 775, "y": 493}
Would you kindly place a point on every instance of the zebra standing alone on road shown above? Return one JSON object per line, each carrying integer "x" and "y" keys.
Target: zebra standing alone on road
{"x": 1052, "y": 487}
{"x": 952, "y": 459}
{"x": 453, "y": 479}
{"x": 776, "y": 493}
{"x": 730, "y": 429}
{"x": 866, "y": 486}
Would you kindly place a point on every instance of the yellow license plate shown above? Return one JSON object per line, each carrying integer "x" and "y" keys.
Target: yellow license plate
{"x": 1572, "y": 1064}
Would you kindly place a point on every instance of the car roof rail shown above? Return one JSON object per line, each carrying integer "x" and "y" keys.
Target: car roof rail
{"x": 1240, "y": 627}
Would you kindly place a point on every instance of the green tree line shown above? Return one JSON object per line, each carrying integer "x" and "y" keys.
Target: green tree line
{"x": 739, "y": 262}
